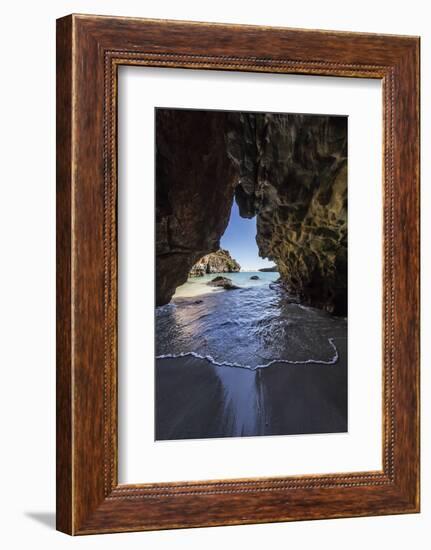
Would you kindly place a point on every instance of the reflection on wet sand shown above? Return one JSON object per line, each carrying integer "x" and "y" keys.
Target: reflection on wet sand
{"x": 196, "y": 399}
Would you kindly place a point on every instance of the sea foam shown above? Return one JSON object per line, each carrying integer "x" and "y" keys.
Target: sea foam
{"x": 250, "y": 328}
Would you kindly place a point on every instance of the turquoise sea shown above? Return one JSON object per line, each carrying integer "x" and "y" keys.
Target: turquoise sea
{"x": 196, "y": 286}
{"x": 251, "y": 327}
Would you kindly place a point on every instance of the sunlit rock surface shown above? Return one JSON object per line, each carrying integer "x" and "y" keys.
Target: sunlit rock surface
{"x": 216, "y": 262}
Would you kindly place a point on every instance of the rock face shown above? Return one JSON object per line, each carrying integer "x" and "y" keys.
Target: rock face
{"x": 216, "y": 262}
{"x": 223, "y": 282}
{"x": 194, "y": 192}
{"x": 293, "y": 177}
{"x": 290, "y": 171}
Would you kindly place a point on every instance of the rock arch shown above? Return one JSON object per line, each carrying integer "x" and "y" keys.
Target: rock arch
{"x": 288, "y": 170}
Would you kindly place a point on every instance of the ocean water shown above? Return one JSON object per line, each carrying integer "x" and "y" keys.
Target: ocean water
{"x": 253, "y": 327}
{"x": 197, "y": 286}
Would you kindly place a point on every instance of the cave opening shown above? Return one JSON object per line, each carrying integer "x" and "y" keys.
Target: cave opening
{"x": 239, "y": 239}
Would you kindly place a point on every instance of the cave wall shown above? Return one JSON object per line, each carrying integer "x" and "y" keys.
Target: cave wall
{"x": 288, "y": 170}
{"x": 292, "y": 175}
{"x": 194, "y": 192}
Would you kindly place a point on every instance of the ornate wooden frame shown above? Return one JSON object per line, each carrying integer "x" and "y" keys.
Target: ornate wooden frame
{"x": 89, "y": 51}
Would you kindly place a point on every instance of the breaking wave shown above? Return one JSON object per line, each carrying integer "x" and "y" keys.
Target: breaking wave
{"x": 211, "y": 360}
{"x": 251, "y": 328}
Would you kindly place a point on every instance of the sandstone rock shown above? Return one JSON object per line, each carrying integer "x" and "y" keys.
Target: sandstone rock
{"x": 293, "y": 177}
{"x": 290, "y": 171}
{"x": 194, "y": 192}
{"x": 216, "y": 262}
{"x": 223, "y": 282}
{"x": 254, "y": 277}
{"x": 198, "y": 270}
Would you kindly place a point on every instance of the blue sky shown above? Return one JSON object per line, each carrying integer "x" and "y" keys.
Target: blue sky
{"x": 240, "y": 239}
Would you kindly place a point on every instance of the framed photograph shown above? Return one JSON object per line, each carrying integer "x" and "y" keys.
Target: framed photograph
{"x": 237, "y": 274}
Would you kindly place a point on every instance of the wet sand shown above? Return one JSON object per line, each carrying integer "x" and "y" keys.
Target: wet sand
{"x": 195, "y": 399}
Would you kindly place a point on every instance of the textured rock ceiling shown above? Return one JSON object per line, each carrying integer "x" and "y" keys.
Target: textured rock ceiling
{"x": 288, "y": 170}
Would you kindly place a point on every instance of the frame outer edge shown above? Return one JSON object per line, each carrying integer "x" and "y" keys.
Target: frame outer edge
{"x": 81, "y": 508}
{"x": 64, "y": 301}
{"x": 407, "y": 269}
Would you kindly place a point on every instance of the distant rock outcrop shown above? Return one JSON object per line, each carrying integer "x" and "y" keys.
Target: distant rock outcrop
{"x": 272, "y": 269}
{"x": 223, "y": 282}
{"x": 216, "y": 262}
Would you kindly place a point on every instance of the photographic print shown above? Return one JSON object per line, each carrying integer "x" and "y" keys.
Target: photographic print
{"x": 251, "y": 274}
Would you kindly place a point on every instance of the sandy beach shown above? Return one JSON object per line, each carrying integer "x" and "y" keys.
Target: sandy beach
{"x": 195, "y": 399}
